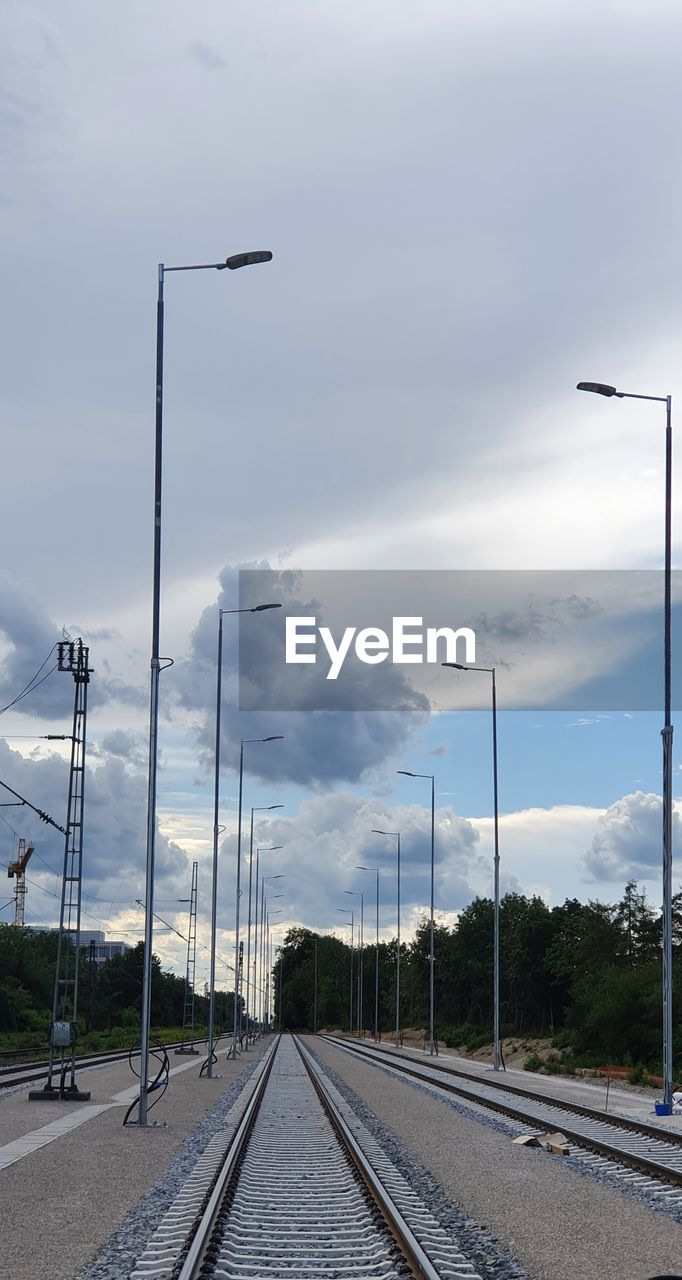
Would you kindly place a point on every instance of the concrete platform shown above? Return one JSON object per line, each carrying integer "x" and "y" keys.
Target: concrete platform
{"x": 64, "y": 1191}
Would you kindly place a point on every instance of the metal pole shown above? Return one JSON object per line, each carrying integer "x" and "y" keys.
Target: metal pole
{"x": 667, "y": 736}
{"x": 238, "y": 895}
{"x": 431, "y": 959}
{"x": 261, "y": 963}
{"x": 350, "y": 1019}
{"x": 255, "y": 945}
{"x": 397, "y": 963}
{"x": 315, "y": 993}
{"x": 248, "y": 933}
{"x": 153, "y": 719}
{"x": 497, "y": 1057}
{"x": 361, "y": 967}
{"x": 280, "y": 1019}
{"x": 216, "y": 834}
{"x": 376, "y": 972}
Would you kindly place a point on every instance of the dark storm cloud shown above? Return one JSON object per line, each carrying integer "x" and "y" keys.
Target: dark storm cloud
{"x": 321, "y": 746}
{"x": 32, "y": 637}
{"x": 114, "y": 832}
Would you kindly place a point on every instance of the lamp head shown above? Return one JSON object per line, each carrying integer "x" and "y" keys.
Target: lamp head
{"x": 258, "y": 608}
{"x": 245, "y": 260}
{"x": 275, "y": 737}
{"x": 406, "y": 773}
{"x": 599, "y": 388}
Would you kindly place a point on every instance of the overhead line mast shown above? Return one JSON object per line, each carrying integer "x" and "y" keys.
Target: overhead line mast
{"x": 72, "y": 657}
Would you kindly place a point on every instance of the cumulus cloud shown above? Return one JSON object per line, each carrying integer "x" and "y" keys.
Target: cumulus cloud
{"x": 627, "y": 843}
{"x": 333, "y": 834}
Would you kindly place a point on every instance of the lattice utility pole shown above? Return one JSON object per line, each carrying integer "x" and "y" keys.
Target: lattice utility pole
{"x": 188, "y": 1010}
{"x": 18, "y": 870}
{"x": 72, "y": 656}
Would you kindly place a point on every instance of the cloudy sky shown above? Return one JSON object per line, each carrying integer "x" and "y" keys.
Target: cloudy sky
{"x": 471, "y": 208}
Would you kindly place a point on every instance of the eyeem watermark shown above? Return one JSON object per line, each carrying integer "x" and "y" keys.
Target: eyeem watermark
{"x": 408, "y": 642}
{"x": 373, "y": 640}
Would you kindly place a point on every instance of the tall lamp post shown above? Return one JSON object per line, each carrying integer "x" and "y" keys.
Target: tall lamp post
{"x": 276, "y": 737}
{"x": 497, "y": 1055}
{"x": 396, "y": 834}
{"x": 315, "y": 990}
{"x": 346, "y": 912}
{"x": 257, "y": 968}
{"x": 270, "y": 940}
{"x": 603, "y": 389}
{"x": 376, "y": 958}
{"x": 232, "y": 263}
{"x": 408, "y": 774}
{"x": 259, "y": 808}
{"x": 264, "y": 936}
{"x": 259, "y": 608}
{"x": 355, "y": 893}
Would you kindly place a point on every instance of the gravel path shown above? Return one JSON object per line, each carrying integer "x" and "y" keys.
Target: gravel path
{"x": 556, "y": 1223}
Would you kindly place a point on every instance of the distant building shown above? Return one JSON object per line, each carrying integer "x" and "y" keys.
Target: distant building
{"x": 104, "y": 948}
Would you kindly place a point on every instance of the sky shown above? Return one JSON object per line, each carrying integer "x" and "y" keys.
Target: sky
{"x": 470, "y": 208}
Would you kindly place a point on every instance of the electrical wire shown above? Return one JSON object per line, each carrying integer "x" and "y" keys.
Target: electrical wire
{"x": 158, "y": 1053}
{"x": 33, "y": 682}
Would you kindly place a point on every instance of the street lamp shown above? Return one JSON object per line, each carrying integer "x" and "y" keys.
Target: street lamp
{"x": 408, "y": 774}
{"x": 238, "y": 260}
{"x": 277, "y": 912}
{"x": 259, "y": 808}
{"x": 346, "y": 912}
{"x": 277, "y": 737}
{"x": 497, "y": 1055}
{"x": 256, "y": 954}
{"x": 604, "y": 389}
{"x": 378, "y": 832}
{"x": 376, "y": 958}
{"x": 259, "y": 608}
{"x": 355, "y": 893}
{"x": 264, "y": 940}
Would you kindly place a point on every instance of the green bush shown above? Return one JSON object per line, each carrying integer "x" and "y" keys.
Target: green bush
{"x": 636, "y": 1076}
{"x": 533, "y": 1062}
{"x": 477, "y": 1041}
{"x": 563, "y": 1039}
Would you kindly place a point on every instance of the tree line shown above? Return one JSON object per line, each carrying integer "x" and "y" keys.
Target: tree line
{"x": 588, "y": 974}
{"x": 110, "y": 995}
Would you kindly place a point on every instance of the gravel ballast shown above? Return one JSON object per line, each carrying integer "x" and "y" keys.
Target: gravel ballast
{"x": 546, "y": 1217}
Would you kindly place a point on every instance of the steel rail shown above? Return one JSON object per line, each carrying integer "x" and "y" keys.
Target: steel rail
{"x": 591, "y": 1113}
{"x": 403, "y": 1235}
{"x": 429, "y": 1076}
{"x": 198, "y": 1242}
{"x": 39, "y": 1070}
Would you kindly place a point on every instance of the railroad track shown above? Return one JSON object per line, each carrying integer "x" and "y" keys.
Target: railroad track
{"x": 25, "y": 1073}
{"x": 652, "y": 1152}
{"x": 298, "y": 1188}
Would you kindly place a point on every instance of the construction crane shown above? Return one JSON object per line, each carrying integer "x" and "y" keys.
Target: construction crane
{"x": 18, "y": 870}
